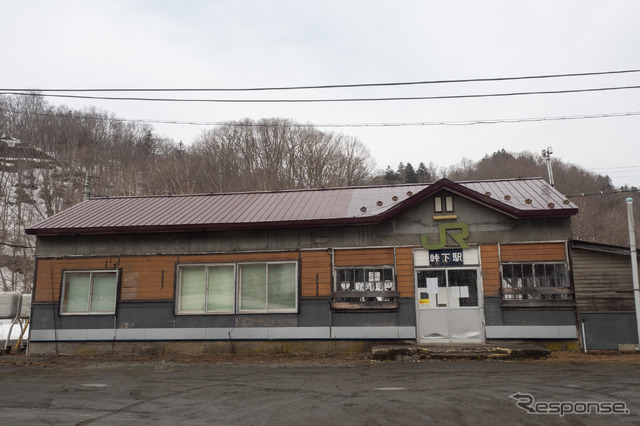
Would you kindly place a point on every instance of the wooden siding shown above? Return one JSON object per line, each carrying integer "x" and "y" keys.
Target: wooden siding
{"x": 537, "y": 252}
{"x": 490, "y": 270}
{"x": 239, "y": 257}
{"x": 143, "y": 278}
{"x": 363, "y": 257}
{"x": 316, "y": 273}
{"x": 602, "y": 281}
{"x": 404, "y": 271}
{"x": 147, "y": 278}
{"x": 49, "y": 274}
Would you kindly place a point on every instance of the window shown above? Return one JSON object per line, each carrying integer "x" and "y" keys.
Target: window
{"x": 371, "y": 287}
{"x": 448, "y": 204}
{"x": 89, "y": 292}
{"x": 206, "y": 289}
{"x": 261, "y": 287}
{"x": 268, "y": 287}
{"x": 536, "y": 284}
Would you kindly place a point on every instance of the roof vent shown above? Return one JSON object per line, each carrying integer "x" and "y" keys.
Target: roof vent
{"x": 394, "y": 198}
{"x": 566, "y": 201}
{"x": 363, "y": 209}
{"x": 488, "y": 194}
{"x": 528, "y": 201}
{"x": 409, "y": 193}
{"x": 507, "y": 197}
{"x": 379, "y": 203}
{"x": 551, "y": 205}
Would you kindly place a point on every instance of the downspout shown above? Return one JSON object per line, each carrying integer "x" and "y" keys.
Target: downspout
{"x": 332, "y": 283}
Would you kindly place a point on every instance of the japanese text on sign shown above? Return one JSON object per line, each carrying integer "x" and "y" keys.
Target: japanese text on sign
{"x": 445, "y": 257}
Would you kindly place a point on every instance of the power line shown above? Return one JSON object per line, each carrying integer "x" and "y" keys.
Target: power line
{"x": 311, "y": 100}
{"x": 334, "y": 86}
{"x": 611, "y": 168}
{"x": 16, "y": 246}
{"x": 338, "y": 125}
{"x": 601, "y": 193}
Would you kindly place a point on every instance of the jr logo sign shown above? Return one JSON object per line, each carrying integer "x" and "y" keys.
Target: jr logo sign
{"x": 458, "y": 231}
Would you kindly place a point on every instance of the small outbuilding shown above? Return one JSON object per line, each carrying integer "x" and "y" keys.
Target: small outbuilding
{"x": 313, "y": 270}
{"x": 605, "y": 305}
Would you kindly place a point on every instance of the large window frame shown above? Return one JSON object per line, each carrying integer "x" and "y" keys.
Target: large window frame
{"x": 536, "y": 284}
{"x": 100, "y": 287}
{"x": 277, "y": 286}
{"x": 208, "y": 283}
{"x": 369, "y": 287}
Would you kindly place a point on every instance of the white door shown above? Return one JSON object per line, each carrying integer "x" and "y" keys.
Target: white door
{"x": 449, "y": 305}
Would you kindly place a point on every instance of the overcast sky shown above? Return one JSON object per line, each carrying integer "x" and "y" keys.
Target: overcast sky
{"x": 243, "y": 44}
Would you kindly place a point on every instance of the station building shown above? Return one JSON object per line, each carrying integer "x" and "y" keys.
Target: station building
{"x": 306, "y": 270}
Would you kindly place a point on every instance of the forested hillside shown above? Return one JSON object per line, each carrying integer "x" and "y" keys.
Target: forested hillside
{"x": 47, "y": 151}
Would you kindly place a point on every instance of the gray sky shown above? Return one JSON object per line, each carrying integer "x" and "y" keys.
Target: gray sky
{"x": 234, "y": 44}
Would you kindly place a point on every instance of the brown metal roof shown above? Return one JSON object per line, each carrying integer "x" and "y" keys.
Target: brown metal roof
{"x": 519, "y": 198}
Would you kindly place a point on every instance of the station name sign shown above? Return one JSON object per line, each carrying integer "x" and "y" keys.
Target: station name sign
{"x": 446, "y": 257}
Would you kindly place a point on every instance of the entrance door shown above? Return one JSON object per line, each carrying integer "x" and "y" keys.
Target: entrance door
{"x": 449, "y": 308}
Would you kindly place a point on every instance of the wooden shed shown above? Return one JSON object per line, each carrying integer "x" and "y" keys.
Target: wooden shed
{"x": 603, "y": 285}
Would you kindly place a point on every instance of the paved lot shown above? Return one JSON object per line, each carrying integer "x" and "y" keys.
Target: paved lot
{"x": 290, "y": 391}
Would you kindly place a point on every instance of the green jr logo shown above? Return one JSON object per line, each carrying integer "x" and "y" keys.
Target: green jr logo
{"x": 458, "y": 237}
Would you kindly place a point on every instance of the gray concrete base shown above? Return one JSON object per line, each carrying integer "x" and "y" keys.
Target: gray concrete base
{"x": 205, "y": 347}
{"x": 453, "y": 351}
{"x": 628, "y": 347}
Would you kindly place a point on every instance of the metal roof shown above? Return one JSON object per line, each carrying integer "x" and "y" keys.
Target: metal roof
{"x": 519, "y": 198}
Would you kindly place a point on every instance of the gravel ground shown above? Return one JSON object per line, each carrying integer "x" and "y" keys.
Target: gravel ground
{"x": 342, "y": 359}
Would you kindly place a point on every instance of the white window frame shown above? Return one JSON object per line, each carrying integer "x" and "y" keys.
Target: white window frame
{"x": 206, "y": 289}
{"x": 443, "y": 204}
{"x": 91, "y": 274}
{"x": 337, "y": 285}
{"x": 534, "y": 278}
{"x": 266, "y": 309}
{"x": 237, "y": 289}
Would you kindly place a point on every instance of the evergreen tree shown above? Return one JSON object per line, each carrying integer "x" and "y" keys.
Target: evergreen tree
{"x": 422, "y": 173}
{"x": 390, "y": 176}
{"x": 410, "y": 175}
{"x": 400, "y": 172}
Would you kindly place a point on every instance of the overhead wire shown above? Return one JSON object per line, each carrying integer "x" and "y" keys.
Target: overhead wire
{"x": 319, "y": 100}
{"x": 335, "y": 86}
{"x": 339, "y": 125}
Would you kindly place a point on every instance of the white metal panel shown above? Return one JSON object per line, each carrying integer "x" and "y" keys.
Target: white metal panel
{"x": 25, "y": 309}
{"x": 471, "y": 256}
{"x": 531, "y": 332}
{"x": 420, "y": 258}
{"x": 9, "y": 304}
{"x": 248, "y": 333}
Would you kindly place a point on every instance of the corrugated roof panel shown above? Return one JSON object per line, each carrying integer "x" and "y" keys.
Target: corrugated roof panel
{"x": 297, "y": 210}
{"x": 302, "y": 206}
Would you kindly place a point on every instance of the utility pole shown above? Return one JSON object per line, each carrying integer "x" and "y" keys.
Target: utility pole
{"x": 546, "y": 154}
{"x": 86, "y": 193}
{"x": 634, "y": 265}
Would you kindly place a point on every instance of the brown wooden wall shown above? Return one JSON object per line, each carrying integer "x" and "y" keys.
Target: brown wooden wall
{"x": 316, "y": 273}
{"x": 404, "y": 271}
{"x": 143, "y": 278}
{"x": 490, "y": 260}
{"x": 146, "y": 278}
{"x": 536, "y": 252}
{"x": 238, "y": 257}
{"x": 602, "y": 281}
{"x": 49, "y": 274}
{"x": 363, "y": 257}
